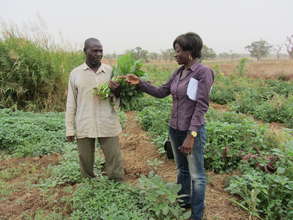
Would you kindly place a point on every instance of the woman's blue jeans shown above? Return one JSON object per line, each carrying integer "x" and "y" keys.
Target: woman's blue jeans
{"x": 190, "y": 170}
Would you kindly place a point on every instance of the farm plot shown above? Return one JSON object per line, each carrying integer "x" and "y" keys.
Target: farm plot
{"x": 48, "y": 185}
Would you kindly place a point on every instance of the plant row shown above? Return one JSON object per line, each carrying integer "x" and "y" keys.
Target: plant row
{"x": 236, "y": 142}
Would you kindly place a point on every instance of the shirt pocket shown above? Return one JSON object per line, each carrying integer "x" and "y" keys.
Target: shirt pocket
{"x": 192, "y": 88}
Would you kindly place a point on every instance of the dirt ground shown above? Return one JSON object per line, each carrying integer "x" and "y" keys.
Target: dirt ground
{"x": 24, "y": 201}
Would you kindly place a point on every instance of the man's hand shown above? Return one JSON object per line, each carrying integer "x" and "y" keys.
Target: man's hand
{"x": 187, "y": 144}
{"x": 115, "y": 87}
{"x": 132, "y": 79}
{"x": 70, "y": 138}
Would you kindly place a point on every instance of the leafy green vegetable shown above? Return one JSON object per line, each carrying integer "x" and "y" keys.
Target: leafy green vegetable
{"x": 126, "y": 64}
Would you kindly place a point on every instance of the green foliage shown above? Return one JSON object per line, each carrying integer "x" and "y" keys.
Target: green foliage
{"x": 264, "y": 104}
{"x": 154, "y": 119}
{"x": 68, "y": 169}
{"x": 269, "y": 100}
{"x": 264, "y": 194}
{"x": 207, "y": 53}
{"x": 126, "y": 64}
{"x": 103, "y": 91}
{"x": 105, "y": 199}
{"x": 33, "y": 77}
{"x": 139, "y": 54}
{"x": 231, "y": 136}
{"x": 226, "y": 88}
{"x": 29, "y": 134}
{"x": 241, "y": 67}
{"x": 161, "y": 198}
{"x": 284, "y": 88}
{"x": 34, "y": 134}
{"x": 259, "y": 49}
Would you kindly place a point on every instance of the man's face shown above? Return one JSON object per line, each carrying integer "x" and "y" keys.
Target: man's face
{"x": 94, "y": 53}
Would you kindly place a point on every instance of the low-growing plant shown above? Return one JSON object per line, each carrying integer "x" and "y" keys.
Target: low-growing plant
{"x": 29, "y": 134}
{"x": 105, "y": 200}
{"x": 267, "y": 194}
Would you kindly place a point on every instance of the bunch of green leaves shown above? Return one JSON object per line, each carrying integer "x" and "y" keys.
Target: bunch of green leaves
{"x": 129, "y": 95}
{"x": 103, "y": 91}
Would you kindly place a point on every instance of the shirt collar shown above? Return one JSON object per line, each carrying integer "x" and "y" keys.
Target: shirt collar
{"x": 194, "y": 66}
{"x": 100, "y": 70}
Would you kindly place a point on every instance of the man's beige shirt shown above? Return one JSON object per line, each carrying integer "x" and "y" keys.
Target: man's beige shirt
{"x": 86, "y": 114}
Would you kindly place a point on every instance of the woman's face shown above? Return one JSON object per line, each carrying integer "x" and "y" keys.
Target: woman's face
{"x": 182, "y": 57}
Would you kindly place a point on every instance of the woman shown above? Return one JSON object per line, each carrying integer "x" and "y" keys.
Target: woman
{"x": 189, "y": 86}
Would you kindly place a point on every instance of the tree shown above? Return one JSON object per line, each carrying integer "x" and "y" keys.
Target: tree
{"x": 207, "y": 53}
{"x": 289, "y": 46}
{"x": 229, "y": 55}
{"x": 278, "y": 48}
{"x": 139, "y": 53}
{"x": 153, "y": 55}
{"x": 259, "y": 49}
{"x": 168, "y": 54}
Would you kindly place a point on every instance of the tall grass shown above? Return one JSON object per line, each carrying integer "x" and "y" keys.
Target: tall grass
{"x": 33, "y": 72}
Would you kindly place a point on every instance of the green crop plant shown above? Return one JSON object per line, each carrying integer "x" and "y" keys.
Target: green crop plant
{"x": 126, "y": 64}
{"x": 241, "y": 67}
{"x": 151, "y": 199}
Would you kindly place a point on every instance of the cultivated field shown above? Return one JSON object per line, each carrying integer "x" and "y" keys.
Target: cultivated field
{"x": 248, "y": 153}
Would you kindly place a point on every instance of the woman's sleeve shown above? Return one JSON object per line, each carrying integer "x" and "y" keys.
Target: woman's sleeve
{"x": 158, "y": 92}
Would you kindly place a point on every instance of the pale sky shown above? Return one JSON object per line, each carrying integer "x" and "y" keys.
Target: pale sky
{"x": 224, "y": 25}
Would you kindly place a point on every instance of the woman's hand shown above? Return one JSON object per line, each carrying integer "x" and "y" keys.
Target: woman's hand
{"x": 187, "y": 144}
{"x": 132, "y": 79}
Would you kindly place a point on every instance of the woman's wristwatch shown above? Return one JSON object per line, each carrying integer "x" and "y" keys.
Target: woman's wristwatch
{"x": 193, "y": 134}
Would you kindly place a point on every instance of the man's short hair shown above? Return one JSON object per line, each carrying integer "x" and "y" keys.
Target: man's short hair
{"x": 90, "y": 41}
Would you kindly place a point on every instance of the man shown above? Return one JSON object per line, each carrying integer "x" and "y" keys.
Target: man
{"x": 89, "y": 118}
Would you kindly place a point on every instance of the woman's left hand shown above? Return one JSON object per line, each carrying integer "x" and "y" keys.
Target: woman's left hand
{"x": 187, "y": 144}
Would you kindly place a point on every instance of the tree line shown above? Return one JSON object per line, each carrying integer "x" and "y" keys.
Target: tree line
{"x": 257, "y": 49}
